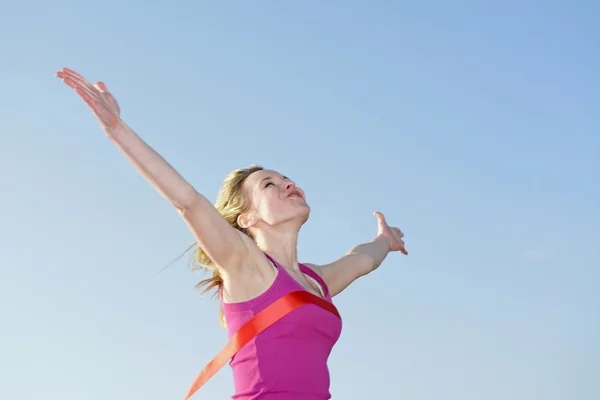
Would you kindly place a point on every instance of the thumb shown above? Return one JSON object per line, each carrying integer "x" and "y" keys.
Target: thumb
{"x": 381, "y": 223}
{"x": 101, "y": 86}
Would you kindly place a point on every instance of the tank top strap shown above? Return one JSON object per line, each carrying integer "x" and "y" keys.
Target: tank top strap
{"x": 274, "y": 263}
{"x": 311, "y": 273}
{"x": 306, "y": 271}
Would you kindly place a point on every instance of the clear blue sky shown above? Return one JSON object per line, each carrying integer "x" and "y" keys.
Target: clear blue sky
{"x": 474, "y": 127}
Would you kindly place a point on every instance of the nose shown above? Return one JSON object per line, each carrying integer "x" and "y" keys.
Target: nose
{"x": 290, "y": 185}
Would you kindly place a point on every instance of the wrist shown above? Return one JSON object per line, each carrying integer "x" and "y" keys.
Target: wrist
{"x": 383, "y": 241}
{"x": 116, "y": 132}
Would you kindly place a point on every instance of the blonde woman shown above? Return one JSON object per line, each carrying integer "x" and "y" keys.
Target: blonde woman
{"x": 248, "y": 239}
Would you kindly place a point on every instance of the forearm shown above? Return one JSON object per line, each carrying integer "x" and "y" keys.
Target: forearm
{"x": 162, "y": 176}
{"x": 376, "y": 250}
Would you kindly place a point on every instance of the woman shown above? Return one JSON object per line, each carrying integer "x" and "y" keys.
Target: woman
{"x": 249, "y": 241}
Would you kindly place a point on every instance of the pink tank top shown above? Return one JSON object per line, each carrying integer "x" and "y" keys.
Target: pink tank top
{"x": 288, "y": 360}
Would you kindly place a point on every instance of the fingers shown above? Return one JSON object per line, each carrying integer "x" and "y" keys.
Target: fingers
{"x": 74, "y": 76}
{"x": 398, "y": 232}
{"x": 85, "y": 94}
{"x": 73, "y": 73}
{"x": 106, "y": 118}
{"x": 398, "y": 236}
{"x": 65, "y": 76}
{"x": 402, "y": 248}
{"x": 94, "y": 102}
{"x": 77, "y": 78}
{"x": 76, "y": 81}
{"x": 76, "y": 86}
{"x": 66, "y": 72}
{"x": 89, "y": 100}
{"x": 96, "y": 96}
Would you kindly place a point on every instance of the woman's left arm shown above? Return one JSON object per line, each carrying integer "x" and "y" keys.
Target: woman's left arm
{"x": 361, "y": 259}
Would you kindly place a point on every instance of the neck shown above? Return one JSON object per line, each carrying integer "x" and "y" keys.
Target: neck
{"x": 281, "y": 244}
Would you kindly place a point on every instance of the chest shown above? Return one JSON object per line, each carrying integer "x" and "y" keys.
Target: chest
{"x": 310, "y": 327}
{"x": 306, "y": 282}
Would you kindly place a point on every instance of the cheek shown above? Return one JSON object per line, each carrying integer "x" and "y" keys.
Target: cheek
{"x": 263, "y": 203}
{"x": 270, "y": 206}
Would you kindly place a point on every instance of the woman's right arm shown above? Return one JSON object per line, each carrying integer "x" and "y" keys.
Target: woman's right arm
{"x": 221, "y": 242}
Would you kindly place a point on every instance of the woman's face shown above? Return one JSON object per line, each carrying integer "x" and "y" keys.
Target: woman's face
{"x": 275, "y": 199}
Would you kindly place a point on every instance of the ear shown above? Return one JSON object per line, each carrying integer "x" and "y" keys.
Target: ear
{"x": 246, "y": 220}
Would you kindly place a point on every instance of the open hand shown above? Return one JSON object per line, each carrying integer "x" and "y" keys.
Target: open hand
{"x": 392, "y": 234}
{"x": 97, "y": 97}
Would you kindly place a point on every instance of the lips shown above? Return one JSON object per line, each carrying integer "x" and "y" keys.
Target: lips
{"x": 295, "y": 193}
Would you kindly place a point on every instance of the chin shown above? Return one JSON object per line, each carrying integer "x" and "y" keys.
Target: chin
{"x": 307, "y": 211}
{"x": 299, "y": 215}
{"x": 305, "y": 214}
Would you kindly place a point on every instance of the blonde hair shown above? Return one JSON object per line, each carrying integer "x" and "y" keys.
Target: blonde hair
{"x": 231, "y": 202}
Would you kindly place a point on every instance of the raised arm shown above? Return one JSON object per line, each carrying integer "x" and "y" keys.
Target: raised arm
{"x": 221, "y": 242}
{"x": 361, "y": 259}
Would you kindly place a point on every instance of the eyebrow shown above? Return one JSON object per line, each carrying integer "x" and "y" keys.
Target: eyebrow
{"x": 270, "y": 177}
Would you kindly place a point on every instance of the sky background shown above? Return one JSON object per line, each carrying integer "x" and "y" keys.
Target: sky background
{"x": 474, "y": 127}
